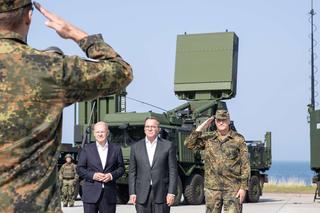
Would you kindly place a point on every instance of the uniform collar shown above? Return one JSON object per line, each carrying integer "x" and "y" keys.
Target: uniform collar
{"x": 230, "y": 134}
{"x": 13, "y": 36}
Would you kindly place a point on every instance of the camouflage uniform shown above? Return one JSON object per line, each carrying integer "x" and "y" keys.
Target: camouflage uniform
{"x": 9, "y": 5}
{"x": 226, "y": 167}
{"x": 35, "y": 86}
{"x": 68, "y": 178}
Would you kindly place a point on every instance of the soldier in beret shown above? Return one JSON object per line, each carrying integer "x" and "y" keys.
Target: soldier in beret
{"x": 226, "y": 165}
{"x": 35, "y": 86}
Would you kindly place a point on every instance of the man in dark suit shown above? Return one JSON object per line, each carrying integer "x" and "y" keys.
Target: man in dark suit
{"x": 153, "y": 171}
{"x": 100, "y": 164}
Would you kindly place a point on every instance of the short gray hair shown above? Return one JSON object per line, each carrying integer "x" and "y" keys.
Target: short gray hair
{"x": 100, "y": 122}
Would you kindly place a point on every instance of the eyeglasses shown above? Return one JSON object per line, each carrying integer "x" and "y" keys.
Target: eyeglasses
{"x": 150, "y": 127}
{"x": 100, "y": 132}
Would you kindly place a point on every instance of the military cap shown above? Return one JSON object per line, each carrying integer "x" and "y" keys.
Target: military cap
{"x": 68, "y": 156}
{"x": 222, "y": 114}
{"x": 8, "y": 5}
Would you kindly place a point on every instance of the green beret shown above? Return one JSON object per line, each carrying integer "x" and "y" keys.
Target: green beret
{"x": 8, "y": 5}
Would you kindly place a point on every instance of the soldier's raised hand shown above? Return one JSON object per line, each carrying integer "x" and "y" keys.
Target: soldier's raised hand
{"x": 205, "y": 124}
{"x": 63, "y": 28}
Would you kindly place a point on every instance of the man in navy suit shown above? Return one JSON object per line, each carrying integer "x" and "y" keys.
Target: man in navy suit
{"x": 153, "y": 171}
{"x": 100, "y": 165}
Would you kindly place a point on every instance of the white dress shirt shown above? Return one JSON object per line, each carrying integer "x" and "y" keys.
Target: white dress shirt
{"x": 151, "y": 149}
{"x": 103, "y": 154}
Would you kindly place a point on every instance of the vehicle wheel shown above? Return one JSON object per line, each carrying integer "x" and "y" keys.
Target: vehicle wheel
{"x": 122, "y": 194}
{"x": 177, "y": 198}
{"x": 194, "y": 191}
{"x": 254, "y": 190}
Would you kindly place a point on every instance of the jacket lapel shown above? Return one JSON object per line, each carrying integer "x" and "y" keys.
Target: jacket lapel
{"x": 96, "y": 153}
{"x": 157, "y": 152}
{"x": 108, "y": 160}
{"x": 144, "y": 152}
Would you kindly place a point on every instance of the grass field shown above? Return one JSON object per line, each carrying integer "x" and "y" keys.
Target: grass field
{"x": 289, "y": 186}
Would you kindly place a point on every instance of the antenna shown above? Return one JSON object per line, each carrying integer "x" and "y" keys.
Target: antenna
{"x": 312, "y": 13}
{"x": 147, "y": 104}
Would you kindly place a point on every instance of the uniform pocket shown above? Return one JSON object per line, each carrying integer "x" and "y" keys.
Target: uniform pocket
{"x": 231, "y": 152}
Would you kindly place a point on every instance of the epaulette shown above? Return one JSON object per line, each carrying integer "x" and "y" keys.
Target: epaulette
{"x": 54, "y": 49}
{"x": 236, "y": 134}
{"x": 90, "y": 59}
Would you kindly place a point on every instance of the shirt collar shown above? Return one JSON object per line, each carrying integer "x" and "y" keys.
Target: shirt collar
{"x": 153, "y": 142}
{"x": 13, "y": 36}
{"x": 102, "y": 147}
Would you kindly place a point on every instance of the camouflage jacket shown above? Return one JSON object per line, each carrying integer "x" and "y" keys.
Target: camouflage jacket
{"x": 35, "y": 86}
{"x": 226, "y": 162}
{"x": 68, "y": 171}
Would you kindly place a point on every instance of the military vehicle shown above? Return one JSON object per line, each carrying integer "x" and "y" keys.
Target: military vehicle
{"x": 314, "y": 121}
{"x": 314, "y": 148}
{"x": 205, "y": 75}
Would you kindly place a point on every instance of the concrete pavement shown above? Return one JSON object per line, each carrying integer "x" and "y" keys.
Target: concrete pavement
{"x": 269, "y": 203}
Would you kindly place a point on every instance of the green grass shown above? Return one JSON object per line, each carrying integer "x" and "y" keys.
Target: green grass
{"x": 289, "y": 186}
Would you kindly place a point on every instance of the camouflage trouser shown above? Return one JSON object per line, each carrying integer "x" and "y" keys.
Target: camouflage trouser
{"x": 216, "y": 199}
{"x": 67, "y": 192}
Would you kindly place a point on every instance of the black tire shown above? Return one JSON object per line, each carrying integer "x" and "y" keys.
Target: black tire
{"x": 194, "y": 190}
{"x": 254, "y": 190}
{"x": 178, "y": 196}
{"x": 122, "y": 194}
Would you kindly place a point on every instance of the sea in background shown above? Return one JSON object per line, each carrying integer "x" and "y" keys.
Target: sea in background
{"x": 290, "y": 171}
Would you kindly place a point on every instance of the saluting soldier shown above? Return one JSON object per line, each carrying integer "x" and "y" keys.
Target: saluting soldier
{"x": 35, "y": 86}
{"x": 68, "y": 178}
{"x": 226, "y": 163}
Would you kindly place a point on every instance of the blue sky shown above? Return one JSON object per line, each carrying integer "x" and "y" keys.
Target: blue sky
{"x": 273, "y": 64}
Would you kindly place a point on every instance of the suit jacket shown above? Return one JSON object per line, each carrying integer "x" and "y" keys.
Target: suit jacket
{"x": 163, "y": 171}
{"x": 89, "y": 163}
